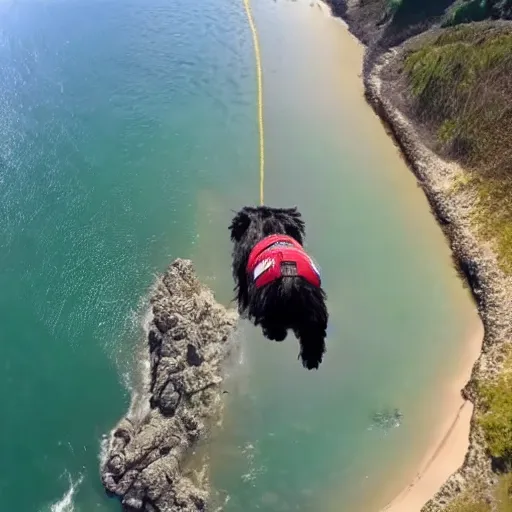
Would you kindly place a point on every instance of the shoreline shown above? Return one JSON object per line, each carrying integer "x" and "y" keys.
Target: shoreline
{"x": 445, "y": 454}
{"x": 453, "y": 208}
{"x": 415, "y": 495}
{"x": 459, "y": 456}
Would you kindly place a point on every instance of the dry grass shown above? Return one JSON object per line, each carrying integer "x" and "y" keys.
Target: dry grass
{"x": 469, "y": 504}
{"x": 474, "y": 500}
{"x": 503, "y": 494}
{"x": 495, "y": 414}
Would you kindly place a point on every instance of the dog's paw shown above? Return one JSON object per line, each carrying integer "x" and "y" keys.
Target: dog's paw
{"x": 312, "y": 365}
{"x": 309, "y": 364}
{"x": 275, "y": 334}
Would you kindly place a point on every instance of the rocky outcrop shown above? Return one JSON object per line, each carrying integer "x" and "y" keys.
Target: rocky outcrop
{"x": 186, "y": 345}
{"x": 387, "y": 23}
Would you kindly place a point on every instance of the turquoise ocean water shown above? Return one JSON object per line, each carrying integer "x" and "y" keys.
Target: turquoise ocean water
{"x": 127, "y": 136}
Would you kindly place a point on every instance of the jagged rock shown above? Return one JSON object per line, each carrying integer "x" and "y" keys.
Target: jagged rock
{"x": 163, "y": 319}
{"x": 187, "y": 343}
{"x": 154, "y": 339}
{"x": 193, "y": 356}
{"x": 169, "y": 399}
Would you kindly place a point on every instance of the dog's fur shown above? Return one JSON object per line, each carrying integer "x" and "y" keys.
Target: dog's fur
{"x": 288, "y": 303}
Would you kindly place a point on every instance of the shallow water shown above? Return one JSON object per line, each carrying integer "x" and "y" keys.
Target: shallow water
{"x": 294, "y": 440}
{"x": 127, "y": 136}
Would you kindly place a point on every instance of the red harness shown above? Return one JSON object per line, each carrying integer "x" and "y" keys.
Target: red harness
{"x": 268, "y": 254}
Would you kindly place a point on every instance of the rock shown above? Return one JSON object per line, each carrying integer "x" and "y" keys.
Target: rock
{"x": 164, "y": 320}
{"x": 386, "y": 419}
{"x": 169, "y": 399}
{"x": 193, "y": 357}
{"x": 154, "y": 339}
{"x": 116, "y": 464}
{"x": 188, "y": 340}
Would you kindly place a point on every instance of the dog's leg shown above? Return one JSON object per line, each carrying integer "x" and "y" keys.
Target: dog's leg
{"x": 274, "y": 332}
{"x": 312, "y": 345}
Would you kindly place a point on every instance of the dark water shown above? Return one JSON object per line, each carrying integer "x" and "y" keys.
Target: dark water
{"x": 127, "y": 133}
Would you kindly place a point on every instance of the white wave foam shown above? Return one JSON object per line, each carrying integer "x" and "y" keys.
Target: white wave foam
{"x": 146, "y": 320}
{"x": 139, "y": 379}
{"x": 237, "y": 356}
{"x": 251, "y": 452}
{"x": 127, "y": 342}
{"x": 135, "y": 378}
{"x": 220, "y": 508}
{"x": 133, "y": 367}
{"x": 242, "y": 355}
{"x": 66, "y": 504}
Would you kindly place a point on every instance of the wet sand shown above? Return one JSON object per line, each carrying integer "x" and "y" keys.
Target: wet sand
{"x": 447, "y": 452}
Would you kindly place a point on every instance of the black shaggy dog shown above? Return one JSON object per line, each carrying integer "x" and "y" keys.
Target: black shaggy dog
{"x": 289, "y": 301}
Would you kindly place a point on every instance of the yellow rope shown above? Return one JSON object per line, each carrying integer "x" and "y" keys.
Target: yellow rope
{"x": 257, "y": 53}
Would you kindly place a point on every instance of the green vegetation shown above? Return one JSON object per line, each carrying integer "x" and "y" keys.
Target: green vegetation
{"x": 495, "y": 417}
{"x": 449, "y": 12}
{"x": 464, "y": 11}
{"x": 461, "y": 88}
{"x": 405, "y": 18}
{"x": 393, "y": 6}
{"x": 411, "y": 12}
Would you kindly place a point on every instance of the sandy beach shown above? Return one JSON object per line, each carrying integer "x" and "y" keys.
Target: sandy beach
{"x": 446, "y": 454}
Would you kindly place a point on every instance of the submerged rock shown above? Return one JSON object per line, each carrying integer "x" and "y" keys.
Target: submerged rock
{"x": 386, "y": 419}
{"x": 187, "y": 343}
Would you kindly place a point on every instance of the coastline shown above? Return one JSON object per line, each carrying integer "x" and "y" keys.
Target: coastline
{"x": 453, "y": 207}
{"x": 458, "y": 456}
{"x": 445, "y": 454}
{"x": 437, "y": 465}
